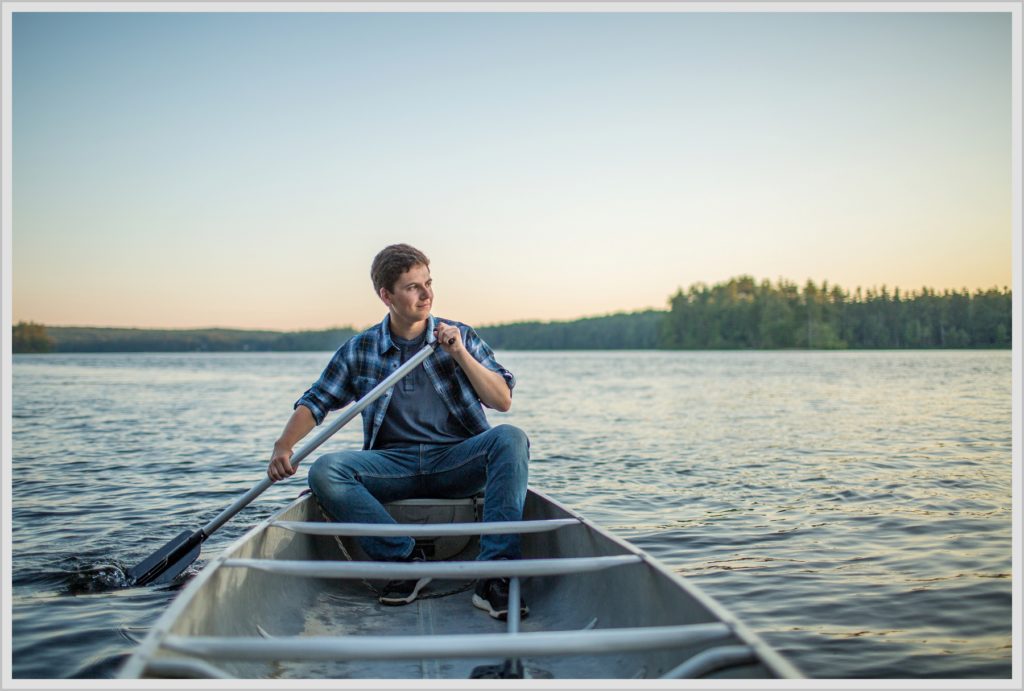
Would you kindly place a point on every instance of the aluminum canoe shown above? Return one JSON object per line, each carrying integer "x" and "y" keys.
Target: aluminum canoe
{"x": 295, "y": 597}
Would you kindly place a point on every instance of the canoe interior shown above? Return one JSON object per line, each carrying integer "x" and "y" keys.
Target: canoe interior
{"x": 245, "y": 602}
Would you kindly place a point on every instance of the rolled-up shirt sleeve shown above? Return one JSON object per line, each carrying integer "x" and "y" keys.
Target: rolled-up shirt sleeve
{"x": 331, "y": 391}
{"x": 483, "y": 354}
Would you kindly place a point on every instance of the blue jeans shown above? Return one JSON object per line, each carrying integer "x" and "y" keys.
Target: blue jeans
{"x": 353, "y": 485}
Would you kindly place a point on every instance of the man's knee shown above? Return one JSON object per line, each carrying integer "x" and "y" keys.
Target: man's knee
{"x": 513, "y": 441}
{"x": 331, "y": 470}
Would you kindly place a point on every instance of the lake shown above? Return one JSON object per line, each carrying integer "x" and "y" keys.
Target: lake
{"x": 854, "y": 508}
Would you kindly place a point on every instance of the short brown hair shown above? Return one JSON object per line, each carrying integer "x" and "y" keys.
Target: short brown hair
{"x": 393, "y": 261}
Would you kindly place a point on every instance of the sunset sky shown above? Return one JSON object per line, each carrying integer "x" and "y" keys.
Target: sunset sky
{"x": 241, "y": 170}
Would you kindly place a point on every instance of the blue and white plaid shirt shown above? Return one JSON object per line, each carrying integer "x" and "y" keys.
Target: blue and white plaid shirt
{"x": 368, "y": 357}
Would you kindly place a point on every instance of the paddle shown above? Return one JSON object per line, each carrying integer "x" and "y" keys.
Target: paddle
{"x": 170, "y": 560}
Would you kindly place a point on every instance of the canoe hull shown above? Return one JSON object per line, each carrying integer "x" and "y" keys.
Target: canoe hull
{"x": 238, "y": 602}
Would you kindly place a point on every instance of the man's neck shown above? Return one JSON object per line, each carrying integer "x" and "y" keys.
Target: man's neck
{"x": 406, "y": 330}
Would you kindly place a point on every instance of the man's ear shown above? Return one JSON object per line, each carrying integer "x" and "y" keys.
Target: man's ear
{"x": 384, "y": 296}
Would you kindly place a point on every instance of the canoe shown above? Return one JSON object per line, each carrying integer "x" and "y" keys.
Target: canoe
{"x": 295, "y": 597}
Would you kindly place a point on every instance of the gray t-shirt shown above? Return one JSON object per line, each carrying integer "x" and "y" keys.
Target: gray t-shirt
{"x": 416, "y": 413}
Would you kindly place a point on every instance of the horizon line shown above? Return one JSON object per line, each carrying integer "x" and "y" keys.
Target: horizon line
{"x": 758, "y": 281}
{"x": 329, "y": 328}
{"x": 911, "y": 292}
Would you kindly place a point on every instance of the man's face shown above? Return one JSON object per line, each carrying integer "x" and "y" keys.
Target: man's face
{"x": 413, "y": 294}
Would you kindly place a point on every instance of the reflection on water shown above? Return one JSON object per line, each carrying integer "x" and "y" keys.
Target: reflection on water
{"x": 853, "y": 507}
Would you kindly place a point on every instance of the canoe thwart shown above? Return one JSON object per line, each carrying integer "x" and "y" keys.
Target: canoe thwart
{"x": 423, "y": 529}
{"x": 521, "y": 568}
{"x": 712, "y": 659}
{"x": 333, "y": 648}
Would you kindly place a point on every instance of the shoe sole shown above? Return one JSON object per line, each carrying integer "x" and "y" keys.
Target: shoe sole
{"x": 408, "y": 599}
{"x": 502, "y": 614}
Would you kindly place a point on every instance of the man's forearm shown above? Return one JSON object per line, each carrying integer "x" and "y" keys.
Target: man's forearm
{"x": 490, "y": 386}
{"x": 298, "y": 426}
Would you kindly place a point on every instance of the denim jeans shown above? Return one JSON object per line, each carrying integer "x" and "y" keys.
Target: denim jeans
{"x": 353, "y": 485}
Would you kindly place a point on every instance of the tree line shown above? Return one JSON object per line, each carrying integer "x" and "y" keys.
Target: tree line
{"x": 738, "y": 313}
{"x": 36, "y": 338}
{"x": 743, "y": 313}
{"x": 629, "y": 331}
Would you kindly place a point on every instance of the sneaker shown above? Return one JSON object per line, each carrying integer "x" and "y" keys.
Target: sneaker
{"x": 397, "y": 593}
{"x": 492, "y": 597}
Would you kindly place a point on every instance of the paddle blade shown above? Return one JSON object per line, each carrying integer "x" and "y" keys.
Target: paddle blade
{"x": 178, "y": 567}
{"x": 168, "y": 561}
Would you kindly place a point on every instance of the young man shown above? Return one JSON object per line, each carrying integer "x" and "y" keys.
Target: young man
{"x": 426, "y": 437}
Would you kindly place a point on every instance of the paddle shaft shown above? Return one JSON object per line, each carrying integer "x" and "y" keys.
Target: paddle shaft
{"x": 174, "y": 557}
{"x": 325, "y": 434}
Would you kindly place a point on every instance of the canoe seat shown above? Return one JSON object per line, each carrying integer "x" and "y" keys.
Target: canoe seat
{"x": 436, "y": 510}
{"x": 419, "y": 512}
{"x": 444, "y": 526}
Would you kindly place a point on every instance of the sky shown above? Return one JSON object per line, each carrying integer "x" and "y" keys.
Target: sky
{"x": 177, "y": 170}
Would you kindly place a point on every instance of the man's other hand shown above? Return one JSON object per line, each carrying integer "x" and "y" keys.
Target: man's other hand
{"x": 445, "y": 333}
{"x": 280, "y": 463}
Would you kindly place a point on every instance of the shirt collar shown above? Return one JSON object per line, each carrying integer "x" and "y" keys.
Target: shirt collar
{"x": 384, "y": 333}
{"x": 384, "y": 341}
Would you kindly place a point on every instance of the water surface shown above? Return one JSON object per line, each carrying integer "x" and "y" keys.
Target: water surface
{"x": 853, "y": 508}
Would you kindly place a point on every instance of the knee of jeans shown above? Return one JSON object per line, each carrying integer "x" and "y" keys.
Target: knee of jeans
{"x": 317, "y": 476}
{"x": 513, "y": 439}
{"x": 329, "y": 470}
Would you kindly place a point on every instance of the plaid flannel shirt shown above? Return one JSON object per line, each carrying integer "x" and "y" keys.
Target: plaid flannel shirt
{"x": 368, "y": 357}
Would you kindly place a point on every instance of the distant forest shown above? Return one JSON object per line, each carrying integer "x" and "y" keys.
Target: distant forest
{"x": 624, "y": 331}
{"x": 738, "y": 314}
{"x": 742, "y": 313}
{"x": 36, "y": 338}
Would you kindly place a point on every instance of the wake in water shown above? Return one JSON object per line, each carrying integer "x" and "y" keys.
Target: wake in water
{"x": 95, "y": 578}
{"x": 82, "y": 577}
